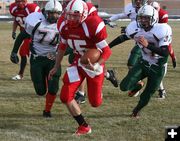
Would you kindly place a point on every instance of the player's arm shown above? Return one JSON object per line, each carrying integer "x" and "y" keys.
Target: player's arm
{"x": 106, "y": 53}
{"x": 59, "y": 57}
{"x": 99, "y": 37}
{"x": 162, "y": 50}
{"x": 118, "y": 16}
{"x": 120, "y": 39}
{"x": 13, "y": 57}
{"x": 22, "y": 35}
{"x": 14, "y": 27}
{"x": 60, "y": 53}
{"x": 172, "y": 55}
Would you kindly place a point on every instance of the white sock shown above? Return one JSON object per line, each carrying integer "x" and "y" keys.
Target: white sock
{"x": 161, "y": 87}
{"x": 107, "y": 75}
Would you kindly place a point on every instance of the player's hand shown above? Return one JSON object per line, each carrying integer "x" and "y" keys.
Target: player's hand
{"x": 143, "y": 41}
{"x": 89, "y": 65}
{"x": 51, "y": 56}
{"x": 106, "y": 21}
{"x": 109, "y": 23}
{"x": 123, "y": 29}
{"x": 51, "y": 73}
{"x": 174, "y": 63}
{"x": 14, "y": 58}
{"x": 14, "y": 35}
{"x": 94, "y": 67}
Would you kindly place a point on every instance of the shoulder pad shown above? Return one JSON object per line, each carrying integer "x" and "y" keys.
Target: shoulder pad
{"x": 161, "y": 30}
{"x": 12, "y": 8}
{"x": 128, "y": 9}
{"x": 132, "y": 28}
{"x": 31, "y": 21}
{"x": 94, "y": 24}
{"x": 60, "y": 22}
{"x": 32, "y": 7}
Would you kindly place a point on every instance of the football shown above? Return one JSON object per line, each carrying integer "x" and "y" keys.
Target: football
{"x": 92, "y": 54}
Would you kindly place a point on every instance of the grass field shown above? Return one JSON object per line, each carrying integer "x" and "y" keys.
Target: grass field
{"x": 21, "y": 110}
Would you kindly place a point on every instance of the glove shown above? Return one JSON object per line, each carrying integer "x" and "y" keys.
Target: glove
{"x": 106, "y": 21}
{"x": 14, "y": 58}
{"x": 123, "y": 29}
{"x": 174, "y": 63}
{"x": 14, "y": 35}
{"x": 109, "y": 23}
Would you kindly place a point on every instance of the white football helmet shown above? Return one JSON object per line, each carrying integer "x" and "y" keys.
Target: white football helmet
{"x": 53, "y": 5}
{"x": 52, "y": 10}
{"x": 156, "y": 5}
{"x": 76, "y": 12}
{"x": 138, "y": 3}
{"x": 147, "y": 16}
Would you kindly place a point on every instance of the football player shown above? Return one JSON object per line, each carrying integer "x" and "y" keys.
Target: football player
{"x": 136, "y": 54}
{"x": 109, "y": 74}
{"x": 153, "y": 40}
{"x": 42, "y": 27}
{"x": 20, "y": 9}
{"x": 130, "y": 11}
{"x": 84, "y": 31}
{"x": 80, "y": 94}
{"x": 163, "y": 18}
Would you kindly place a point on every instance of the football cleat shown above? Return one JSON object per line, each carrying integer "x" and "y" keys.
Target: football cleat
{"x": 17, "y": 77}
{"x": 47, "y": 114}
{"x": 112, "y": 78}
{"x": 82, "y": 130}
{"x": 135, "y": 115}
{"x": 162, "y": 94}
{"x": 80, "y": 99}
{"x": 136, "y": 92}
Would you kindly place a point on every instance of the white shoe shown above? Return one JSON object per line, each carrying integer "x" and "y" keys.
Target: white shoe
{"x": 136, "y": 94}
{"x": 17, "y": 77}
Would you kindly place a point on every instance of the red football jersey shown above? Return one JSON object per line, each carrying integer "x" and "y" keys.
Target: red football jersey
{"x": 163, "y": 16}
{"x": 20, "y": 15}
{"x": 90, "y": 34}
{"x": 91, "y": 9}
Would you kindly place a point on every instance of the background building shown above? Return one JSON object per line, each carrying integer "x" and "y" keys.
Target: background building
{"x": 109, "y": 6}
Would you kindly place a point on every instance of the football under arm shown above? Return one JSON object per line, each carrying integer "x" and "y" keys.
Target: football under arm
{"x": 22, "y": 35}
{"x": 120, "y": 39}
{"x": 162, "y": 51}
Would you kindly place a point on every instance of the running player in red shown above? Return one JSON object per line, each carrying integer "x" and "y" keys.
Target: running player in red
{"x": 84, "y": 32}
{"x": 20, "y": 9}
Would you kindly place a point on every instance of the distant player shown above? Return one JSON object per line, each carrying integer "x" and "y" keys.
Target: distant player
{"x": 153, "y": 39}
{"x": 163, "y": 18}
{"x": 130, "y": 11}
{"x": 20, "y": 9}
{"x": 42, "y": 27}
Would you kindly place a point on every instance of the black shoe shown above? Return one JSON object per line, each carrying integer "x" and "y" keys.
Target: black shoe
{"x": 112, "y": 78}
{"x": 80, "y": 99}
{"x": 162, "y": 94}
{"x": 47, "y": 114}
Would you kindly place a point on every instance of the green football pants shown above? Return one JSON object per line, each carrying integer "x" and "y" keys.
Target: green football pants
{"x": 39, "y": 69}
{"x": 141, "y": 70}
{"x": 134, "y": 56}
